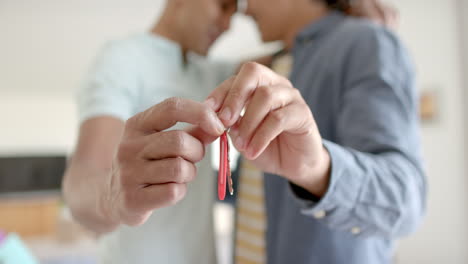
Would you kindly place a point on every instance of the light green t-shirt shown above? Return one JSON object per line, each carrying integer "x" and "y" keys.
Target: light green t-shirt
{"x": 129, "y": 76}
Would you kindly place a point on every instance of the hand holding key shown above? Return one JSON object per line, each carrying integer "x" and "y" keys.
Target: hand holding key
{"x": 153, "y": 164}
{"x": 277, "y": 131}
{"x": 224, "y": 171}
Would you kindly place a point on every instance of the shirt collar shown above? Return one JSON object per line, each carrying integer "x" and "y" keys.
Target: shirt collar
{"x": 172, "y": 50}
{"x": 321, "y": 26}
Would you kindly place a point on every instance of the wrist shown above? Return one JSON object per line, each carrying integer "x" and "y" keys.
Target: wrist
{"x": 106, "y": 208}
{"x": 316, "y": 177}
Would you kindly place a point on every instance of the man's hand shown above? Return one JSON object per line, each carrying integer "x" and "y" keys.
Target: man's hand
{"x": 377, "y": 11}
{"x": 153, "y": 166}
{"x": 277, "y": 130}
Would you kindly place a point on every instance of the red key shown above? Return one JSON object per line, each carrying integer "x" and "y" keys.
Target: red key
{"x": 224, "y": 172}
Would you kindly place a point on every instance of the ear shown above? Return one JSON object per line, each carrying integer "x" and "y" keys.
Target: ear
{"x": 175, "y": 7}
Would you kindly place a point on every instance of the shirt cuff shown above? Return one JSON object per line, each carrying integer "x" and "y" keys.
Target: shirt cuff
{"x": 335, "y": 208}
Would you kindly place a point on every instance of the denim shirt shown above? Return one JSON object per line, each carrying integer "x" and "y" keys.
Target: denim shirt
{"x": 358, "y": 81}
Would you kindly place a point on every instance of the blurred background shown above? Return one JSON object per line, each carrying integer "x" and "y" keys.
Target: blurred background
{"x": 46, "y": 47}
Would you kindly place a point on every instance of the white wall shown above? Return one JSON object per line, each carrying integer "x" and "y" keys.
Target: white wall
{"x": 430, "y": 29}
{"x": 36, "y": 125}
{"x": 46, "y": 46}
{"x": 463, "y": 20}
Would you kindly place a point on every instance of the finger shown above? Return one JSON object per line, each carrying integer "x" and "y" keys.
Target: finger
{"x": 216, "y": 97}
{"x": 201, "y": 135}
{"x": 164, "y": 195}
{"x": 172, "y": 170}
{"x": 294, "y": 118}
{"x": 264, "y": 100}
{"x": 172, "y": 144}
{"x": 234, "y": 133}
{"x": 166, "y": 114}
{"x": 251, "y": 76}
{"x": 137, "y": 204}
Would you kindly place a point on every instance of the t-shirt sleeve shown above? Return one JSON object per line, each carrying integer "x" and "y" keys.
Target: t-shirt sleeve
{"x": 110, "y": 86}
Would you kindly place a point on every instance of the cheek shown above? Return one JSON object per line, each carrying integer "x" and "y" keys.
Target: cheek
{"x": 267, "y": 26}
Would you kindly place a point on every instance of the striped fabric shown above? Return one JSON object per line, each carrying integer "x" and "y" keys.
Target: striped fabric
{"x": 251, "y": 219}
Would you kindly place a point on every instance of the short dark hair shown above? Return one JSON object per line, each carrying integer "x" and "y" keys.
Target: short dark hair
{"x": 341, "y": 5}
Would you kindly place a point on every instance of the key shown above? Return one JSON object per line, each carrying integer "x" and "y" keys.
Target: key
{"x": 230, "y": 184}
{"x": 224, "y": 172}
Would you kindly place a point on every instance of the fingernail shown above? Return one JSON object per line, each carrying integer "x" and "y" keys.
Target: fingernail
{"x": 240, "y": 143}
{"x": 219, "y": 126}
{"x": 250, "y": 153}
{"x": 225, "y": 114}
{"x": 211, "y": 103}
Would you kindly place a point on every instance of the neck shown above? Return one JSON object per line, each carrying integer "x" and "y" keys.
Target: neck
{"x": 167, "y": 27}
{"x": 304, "y": 16}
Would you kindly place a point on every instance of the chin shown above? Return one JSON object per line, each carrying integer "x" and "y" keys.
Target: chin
{"x": 201, "y": 51}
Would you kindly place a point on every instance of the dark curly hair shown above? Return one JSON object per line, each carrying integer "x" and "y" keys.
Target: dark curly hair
{"x": 341, "y": 5}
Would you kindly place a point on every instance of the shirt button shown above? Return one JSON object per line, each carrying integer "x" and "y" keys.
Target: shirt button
{"x": 320, "y": 214}
{"x": 355, "y": 230}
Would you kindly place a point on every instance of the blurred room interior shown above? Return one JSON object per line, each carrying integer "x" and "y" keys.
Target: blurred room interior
{"x": 46, "y": 47}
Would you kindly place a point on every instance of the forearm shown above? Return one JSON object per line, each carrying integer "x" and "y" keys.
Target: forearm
{"x": 83, "y": 188}
{"x": 377, "y": 194}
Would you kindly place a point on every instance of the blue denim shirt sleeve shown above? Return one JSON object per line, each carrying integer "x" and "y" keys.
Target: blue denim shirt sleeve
{"x": 377, "y": 184}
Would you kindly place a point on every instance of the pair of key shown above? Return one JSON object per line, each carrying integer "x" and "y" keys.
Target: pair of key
{"x": 224, "y": 172}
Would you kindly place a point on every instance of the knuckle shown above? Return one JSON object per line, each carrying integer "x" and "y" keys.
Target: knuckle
{"x": 129, "y": 148}
{"x": 304, "y": 107}
{"x": 183, "y": 171}
{"x": 206, "y": 115}
{"x": 296, "y": 93}
{"x": 251, "y": 67}
{"x": 125, "y": 150}
{"x": 177, "y": 141}
{"x": 173, "y": 104}
{"x": 199, "y": 153}
{"x": 136, "y": 220}
{"x": 278, "y": 117}
{"x": 235, "y": 93}
{"x": 131, "y": 126}
{"x": 132, "y": 121}
{"x": 266, "y": 93}
{"x": 126, "y": 176}
{"x": 175, "y": 192}
{"x": 178, "y": 168}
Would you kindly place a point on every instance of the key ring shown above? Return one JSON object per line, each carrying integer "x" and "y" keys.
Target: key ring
{"x": 224, "y": 172}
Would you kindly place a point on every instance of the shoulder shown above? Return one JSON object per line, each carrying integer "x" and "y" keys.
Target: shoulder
{"x": 124, "y": 48}
{"x": 365, "y": 35}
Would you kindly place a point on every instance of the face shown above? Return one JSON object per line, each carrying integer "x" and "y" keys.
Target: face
{"x": 204, "y": 21}
{"x": 271, "y": 17}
